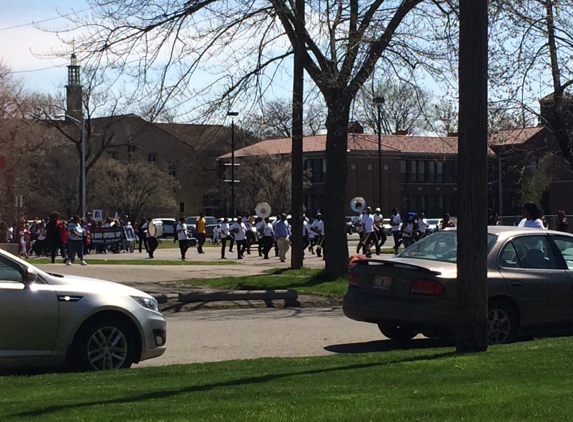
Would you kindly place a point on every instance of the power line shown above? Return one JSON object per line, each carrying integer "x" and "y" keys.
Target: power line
{"x": 44, "y": 20}
{"x": 36, "y": 70}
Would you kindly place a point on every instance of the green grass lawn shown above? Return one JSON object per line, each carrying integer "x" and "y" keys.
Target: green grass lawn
{"x": 305, "y": 281}
{"x": 518, "y": 382}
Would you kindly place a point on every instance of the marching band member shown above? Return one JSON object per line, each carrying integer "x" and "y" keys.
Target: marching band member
{"x": 181, "y": 229}
{"x": 224, "y": 234}
{"x": 268, "y": 237}
{"x": 379, "y": 230}
{"x": 367, "y": 221}
{"x": 282, "y": 234}
{"x": 305, "y": 233}
{"x": 259, "y": 233}
{"x": 395, "y": 222}
{"x": 240, "y": 232}
{"x": 151, "y": 239}
{"x": 311, "y": 237}
{"x": 318, "y": 228}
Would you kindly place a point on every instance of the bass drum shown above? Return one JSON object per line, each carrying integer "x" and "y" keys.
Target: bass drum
{"x": 155, "y": 228}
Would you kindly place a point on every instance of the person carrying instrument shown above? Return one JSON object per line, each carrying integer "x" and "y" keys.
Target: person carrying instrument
{"x": 224, "y": 234}
{"x": 318, "y": 228}
{"x": 151, "y": 238}
{"x": 367, "y": 221}
{"x": 200, "y": 232}
{"x": 379, "y": 230}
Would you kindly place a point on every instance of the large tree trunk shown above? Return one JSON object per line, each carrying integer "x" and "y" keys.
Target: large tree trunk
{"x": 336, "y": 246}
{"x": 471, "y": 335}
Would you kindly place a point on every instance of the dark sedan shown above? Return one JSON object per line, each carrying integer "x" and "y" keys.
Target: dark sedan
{"x": 530, "y": 283}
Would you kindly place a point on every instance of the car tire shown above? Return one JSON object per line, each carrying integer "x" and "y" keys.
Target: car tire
{"x": 502, "y": 323}
{"x": 103, "y": 344}
{"x": 397, "y": 332}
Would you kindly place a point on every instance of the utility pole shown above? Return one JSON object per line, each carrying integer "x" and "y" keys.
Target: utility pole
{"x": 472, "y": 323}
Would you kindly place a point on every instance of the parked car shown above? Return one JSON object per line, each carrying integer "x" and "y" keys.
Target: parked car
{"x": 211, "y": 223}
{"x": 61, "y": 320}
{"x": 433, "y": 225}
{"x": 349, "y": 224}
{"x": 530, "y": 278}
{"x": 168, "y": 226}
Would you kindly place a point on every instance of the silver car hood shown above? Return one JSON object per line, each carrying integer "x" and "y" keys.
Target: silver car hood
{"x": 77, "y": 284}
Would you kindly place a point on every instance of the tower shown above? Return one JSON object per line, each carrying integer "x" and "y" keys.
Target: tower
{"x": 74, "y": 90}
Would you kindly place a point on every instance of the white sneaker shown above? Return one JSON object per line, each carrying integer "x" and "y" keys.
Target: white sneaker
{"x": 68, "y": 262}
{"x": 84, "y": 262}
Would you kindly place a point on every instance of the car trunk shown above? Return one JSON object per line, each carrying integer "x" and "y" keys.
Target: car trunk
{"x": 392, "y": 278}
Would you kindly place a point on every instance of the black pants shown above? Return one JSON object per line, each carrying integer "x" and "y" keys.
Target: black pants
{"x": 151, "y": 245}
{"x": 183, "y": 246}
{"x": 267, "y": 243}
{"x": 380, "y": 240}
{"x": 241, "y": 246}
{"x": 231, "y": 243}
{"x": 142, "y": 242}
{"x": 200, "y": 241}
{"x": 319, "y": 245}
{"x": 305, "y": 243}
{"x": 397, "y": 239}
{"x": 54, "y": 247}
{"x": 366, "y": 240}
{"x": 223, "y": 246}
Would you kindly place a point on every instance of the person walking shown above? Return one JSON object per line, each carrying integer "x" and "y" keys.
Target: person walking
{"x": 282, "y": 233}
{"x": 562, "y": 223}
{"x": 75, "y": 241}
{"x": 240, "y": 232}
{"x": 224, "y": 234}
{"x": 151, "y": 239}
{"x": 54, "y": 238}
{"x": 268, "y": 238}
{"x": 379, "y": 235}
{"x": 142, "y": 235}
{"x": 395, "y": 222}
{"x": 367, "y": 221}
{"x": 182, "y": 235}
{"x": 318, "y": 227}
{"x": 200, "y": 232}
{"x": 531, "y": 215}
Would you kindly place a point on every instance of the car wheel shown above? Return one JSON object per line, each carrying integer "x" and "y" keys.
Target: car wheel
{"x": 104, "y": 344}
{"x": 502, "y": 323}
{"x": 397, "y": 332}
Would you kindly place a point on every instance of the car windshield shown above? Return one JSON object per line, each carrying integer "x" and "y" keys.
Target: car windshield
{"x": 440, "y": 246}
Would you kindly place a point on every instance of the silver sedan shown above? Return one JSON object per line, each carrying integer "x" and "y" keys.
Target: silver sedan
{"x": 86, "y": 324}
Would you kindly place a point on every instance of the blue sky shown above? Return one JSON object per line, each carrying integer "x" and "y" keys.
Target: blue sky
{"x": 21, "y": 41}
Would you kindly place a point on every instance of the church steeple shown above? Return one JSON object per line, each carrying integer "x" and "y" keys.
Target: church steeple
{"x": 74, "y": 90}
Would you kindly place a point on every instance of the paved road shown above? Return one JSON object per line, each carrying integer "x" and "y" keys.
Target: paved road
{"x": 216, "y": 335}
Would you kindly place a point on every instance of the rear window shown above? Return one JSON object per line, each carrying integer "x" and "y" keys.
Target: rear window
{"x": 441, "y": 246}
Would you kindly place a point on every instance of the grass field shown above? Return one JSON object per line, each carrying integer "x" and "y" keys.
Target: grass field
{"x": 305, "y": 281}
{"x": 518, "y": 382}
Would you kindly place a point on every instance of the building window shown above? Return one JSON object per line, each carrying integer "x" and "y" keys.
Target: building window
{"x": 439, "y": 172}
{"x": 413, "y": 172}
{"x": 369, "y": 166}
{"x": 130, "y": 149}
{"x": 431, "y": 171}
{"x": 112, "y": 154}
{"x": 152, "y": 157}
{"x": 403, "y": 173}
{"x": 421, "y": 172}
{"x": 172, "y": 170}
{"x": 352, "y": 166}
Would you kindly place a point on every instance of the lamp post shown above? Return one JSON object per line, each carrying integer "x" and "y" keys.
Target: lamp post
{"x": 232, "y": 114}
{"x": 378, "y": 100}
{"x": 82, "y": 126}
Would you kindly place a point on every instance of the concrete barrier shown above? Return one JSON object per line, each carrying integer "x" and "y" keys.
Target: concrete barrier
{"x": 289, "y": 296}
{"x": 10, "y": 247}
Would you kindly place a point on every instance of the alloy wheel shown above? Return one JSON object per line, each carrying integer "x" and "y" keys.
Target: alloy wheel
{"x": 107, "y": 349}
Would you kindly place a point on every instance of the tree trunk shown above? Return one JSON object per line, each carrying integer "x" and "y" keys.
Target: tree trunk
{"x": 336, "y": 245}
{"x": 471, "y": 334}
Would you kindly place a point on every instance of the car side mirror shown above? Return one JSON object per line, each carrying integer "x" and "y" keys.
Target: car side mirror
{"x": 29, "y": 277}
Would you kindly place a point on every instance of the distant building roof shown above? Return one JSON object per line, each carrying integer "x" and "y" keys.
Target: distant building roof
{"x": 356, "y": 142}
{"x": 514, "y": 136}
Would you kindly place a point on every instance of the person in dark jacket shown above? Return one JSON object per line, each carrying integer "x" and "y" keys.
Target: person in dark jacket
{"x": 53, "y": 237}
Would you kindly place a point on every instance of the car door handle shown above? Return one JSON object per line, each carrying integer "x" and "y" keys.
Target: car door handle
{"x": 517, "y": 283}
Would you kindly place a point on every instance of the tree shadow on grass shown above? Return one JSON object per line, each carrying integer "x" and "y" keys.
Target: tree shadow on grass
{"x": 389, "y": 345}
{"x": 306, "y": 281}
{"x": 43, "y": 411}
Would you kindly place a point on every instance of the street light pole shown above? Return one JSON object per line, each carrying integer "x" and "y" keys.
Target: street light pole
{"x": 232, "y": 114}
{"x": 83, "y": 196}
{"x": 379, "y": 101}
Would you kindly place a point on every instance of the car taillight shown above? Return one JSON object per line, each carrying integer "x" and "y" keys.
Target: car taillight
{"x": 353, "y": 279}
{"x": 422, "y": 286}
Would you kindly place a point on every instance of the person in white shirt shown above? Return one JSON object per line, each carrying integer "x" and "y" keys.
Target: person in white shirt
{"x": 318, "y": 228}
{"x": 408, "y": 231}
{"x": 182, "y": 235}
{"x": 305, "y": 234}
{"x": 531, "y": 215}
{"x": 224, "y": 234}
{"x": 240, "y": 231}
{"x": 259, "y": 233}
{"x": 311, "y": 237}
{"x": 367, "y": 222}
{"x": 268, "y": 237}
{"x": 379, "y": 230}
{"x": 395, "y": 222}
{"x": 422, "y": 226}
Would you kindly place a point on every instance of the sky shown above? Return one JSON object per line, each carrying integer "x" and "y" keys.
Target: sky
{"x": 22, "y": 45}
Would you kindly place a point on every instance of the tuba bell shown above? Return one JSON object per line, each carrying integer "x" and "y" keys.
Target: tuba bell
{"x": 358, "y": 204}
{"x": 263, "y": 210}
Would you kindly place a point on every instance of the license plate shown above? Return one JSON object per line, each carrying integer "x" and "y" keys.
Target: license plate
{"x": 382, "y": 282}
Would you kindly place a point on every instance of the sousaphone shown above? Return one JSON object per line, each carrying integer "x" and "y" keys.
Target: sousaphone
{"x": 358, "y": 204}
{"x": 263, "y": 210}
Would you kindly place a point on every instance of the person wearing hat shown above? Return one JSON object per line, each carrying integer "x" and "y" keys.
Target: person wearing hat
{"x": 379, "y": 233}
